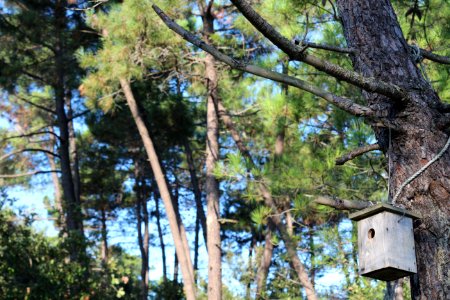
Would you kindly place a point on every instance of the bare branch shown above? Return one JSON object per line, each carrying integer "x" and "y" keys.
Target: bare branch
{"x": 342, "y": 204}
{"x": 36, "y": 105}
{"x": 28, "y": 174}
{"x": 434, "y": 57}
{"x": 327, "y": 47}
{"x": 27, "y": 150}
{"x": 298, "y": 53}
{"x": 341, "y": 102}
{"x": 38, "y": 132}
{"x": 355, "y": 153}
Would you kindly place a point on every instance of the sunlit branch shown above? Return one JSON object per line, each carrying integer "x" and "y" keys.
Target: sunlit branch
{"x": 355, "y": 153}
{"x": 27, "y": 150}
{"x": 434, "y": 57}
{"x": 342, "y": 204}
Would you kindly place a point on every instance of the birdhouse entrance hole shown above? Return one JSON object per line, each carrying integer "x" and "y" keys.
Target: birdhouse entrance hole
{"x": 371, "y": 233}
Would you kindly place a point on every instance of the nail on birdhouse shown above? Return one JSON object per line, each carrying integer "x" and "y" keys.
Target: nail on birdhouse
{"x": 386, "y": 242}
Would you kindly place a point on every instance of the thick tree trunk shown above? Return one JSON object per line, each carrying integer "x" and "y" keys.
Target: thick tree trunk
{"x": 212, "y": 156}
{"x": 186, "y": 268}
{"x": 372, "y": 29}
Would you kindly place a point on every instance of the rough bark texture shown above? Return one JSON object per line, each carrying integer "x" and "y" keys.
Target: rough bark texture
{"x": 186, "y": 268}
{"x": 212, "y": 156}
{"x": 372, "y": 29}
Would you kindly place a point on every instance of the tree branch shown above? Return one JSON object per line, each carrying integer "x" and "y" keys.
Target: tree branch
{"x": 341, "y": 102}
{"x": 326, "y": 47}
{"x": 36, "y": 105}
{"x": 298, "y": 53}
{"x": 28, "y": 174}
{"x": 342, "y": 204}
{"x": 355, "y": 153}
{"x": 434, "y": 57}
{"x": 27, "y": 150}
{"x": 30, "y": 134}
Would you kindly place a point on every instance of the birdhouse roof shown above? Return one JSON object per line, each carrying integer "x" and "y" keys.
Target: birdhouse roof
{"x": 380, "y": 207}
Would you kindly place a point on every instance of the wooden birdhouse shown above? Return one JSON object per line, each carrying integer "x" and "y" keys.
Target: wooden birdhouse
{"x": 385, "y": 242}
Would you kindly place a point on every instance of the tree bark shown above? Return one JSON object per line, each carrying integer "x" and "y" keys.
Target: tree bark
{"x": 186, "y": 268}
{"x": 212, "y": 156}
{"x": 372, "y": 29}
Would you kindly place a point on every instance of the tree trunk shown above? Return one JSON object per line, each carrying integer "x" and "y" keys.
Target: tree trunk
{"x": 138, "y": 208}
{"x": 196, "y": 188}
{"x": 142, "y": 219}
{"x": 104, "y": 249}
{"x": 74, "y": 218}
{"x": 60, "y": 222}
{"x": 266, "y": 260}
{"x": 212, "y": 156}
{"x": 73, "y": 150}
{"x": 186, "y": 268}
{"x": 160, "y": 232}
{"x": 250, "y": 265}
{"x": 417, "y": 135}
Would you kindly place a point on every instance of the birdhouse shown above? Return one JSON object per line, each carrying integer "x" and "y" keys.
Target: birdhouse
{"x": 386, "y": 242}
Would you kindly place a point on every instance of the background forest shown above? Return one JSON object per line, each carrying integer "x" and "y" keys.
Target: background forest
{"x": 133, "y": 145}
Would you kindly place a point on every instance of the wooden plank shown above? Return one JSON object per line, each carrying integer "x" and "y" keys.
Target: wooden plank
{"x": 372, "y": 210}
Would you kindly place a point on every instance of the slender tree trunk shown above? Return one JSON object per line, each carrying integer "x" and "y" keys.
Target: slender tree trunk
{"x": 140, "y": 218}
{"x": 175, "y": 268}
{"x": 73, "y": 150}
{"x": 312, "y": 249}
{"x": 104, "y": 249}
{"x": 181, "y": 227}
{"x": 266, "y": 260}
{"x": 212, "y": 156}
{"x": 186, "y": 268}
{"x": 196, "y": 188}
{"x": 418, "y": 133}
{"x": 250, "y": 265}
{"x": 56, "y": 184}
{"x": 160, "y": 232}
{"x": 196, "y": 243}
